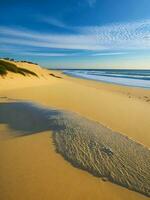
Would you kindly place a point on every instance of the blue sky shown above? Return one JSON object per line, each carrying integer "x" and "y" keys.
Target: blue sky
{"x": 77, "y": 33}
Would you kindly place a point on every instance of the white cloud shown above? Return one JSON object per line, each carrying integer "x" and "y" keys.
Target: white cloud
{"x": 112, "y": 37}
{"x": 73, "y": 43}
{"x": 109, "y": 54}
{"x": 62, "y": 41}
{"x": 30, "y": 52}
{"x": 135, "y": 35}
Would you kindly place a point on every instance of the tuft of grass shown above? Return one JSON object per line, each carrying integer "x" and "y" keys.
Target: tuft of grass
{"x": 2, "y": 70}
{"x": 7, "y": 66}
{"x": 22, "y": 70}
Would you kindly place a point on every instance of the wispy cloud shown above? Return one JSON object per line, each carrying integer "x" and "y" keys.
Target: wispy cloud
{"x": 91, "y": 3}
{"x": 60, "y": 41}
{"x": 53, "y": 21}
{"x": 133, "y": 35}
{"x": 109, "y": 54}
{"x": 29, "y": 51}
{"x": 48, "y": 54}
{"x": 112, "y": 38}
{"x": 73, "y": 43}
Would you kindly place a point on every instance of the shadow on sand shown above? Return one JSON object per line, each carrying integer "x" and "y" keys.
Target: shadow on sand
{"x": 84, "y": 143}
{"x": 27, "y": 118}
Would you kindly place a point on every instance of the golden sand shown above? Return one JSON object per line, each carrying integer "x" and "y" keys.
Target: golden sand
{"x": 31, "y": 169}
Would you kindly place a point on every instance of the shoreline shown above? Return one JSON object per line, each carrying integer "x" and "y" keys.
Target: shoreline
{"x": 108, "y": 82}
{"x": 108, "y": 104}
{"x": 105, "y": 82}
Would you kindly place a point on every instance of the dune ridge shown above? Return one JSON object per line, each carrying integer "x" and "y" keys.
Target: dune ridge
{"x": 86, "y": 144}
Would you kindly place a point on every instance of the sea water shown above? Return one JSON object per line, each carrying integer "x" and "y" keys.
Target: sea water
{"x": 135, "y": 78}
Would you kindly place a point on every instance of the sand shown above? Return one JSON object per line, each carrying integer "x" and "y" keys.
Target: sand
{"x": 30, "y": 168}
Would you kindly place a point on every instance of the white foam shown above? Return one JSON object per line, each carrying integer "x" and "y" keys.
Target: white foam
{"x": 116, "y": 80}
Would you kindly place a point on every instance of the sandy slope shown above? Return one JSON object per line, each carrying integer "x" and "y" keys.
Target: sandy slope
{"x": 30, "y": 168}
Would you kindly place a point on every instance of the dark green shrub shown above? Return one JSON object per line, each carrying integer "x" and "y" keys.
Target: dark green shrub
{"x": 7, "y": 66}
{"x": 2, "y": 70}
{"x": 26, "y": 71}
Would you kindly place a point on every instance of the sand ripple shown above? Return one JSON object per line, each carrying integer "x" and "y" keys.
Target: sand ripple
{"x": 85, "y": 144}
{"x": 92, "y": 147}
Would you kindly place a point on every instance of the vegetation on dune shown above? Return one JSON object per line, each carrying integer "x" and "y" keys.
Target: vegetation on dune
{"x": 2, "y": 70}
{"x": 24, "y": 61}
{"x": 29, "y": 62}
{"x": 7, "y": 66}
{"x": 26, "y": 71}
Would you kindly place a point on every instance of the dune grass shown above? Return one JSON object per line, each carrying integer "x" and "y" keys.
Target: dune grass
{"x": 7, "y": 66}
{"x": 2, "y": 70}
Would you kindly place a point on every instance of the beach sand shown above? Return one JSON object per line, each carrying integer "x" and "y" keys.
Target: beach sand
{"x": 30, "y": 168}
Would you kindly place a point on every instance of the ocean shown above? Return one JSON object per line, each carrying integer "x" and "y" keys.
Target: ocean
{"x": 128, "y": 77}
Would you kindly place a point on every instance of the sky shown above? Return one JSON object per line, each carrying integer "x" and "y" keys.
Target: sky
{"x": 77, "y": 33}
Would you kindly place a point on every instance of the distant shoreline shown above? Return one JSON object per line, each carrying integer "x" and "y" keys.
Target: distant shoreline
{"x": 140, "y": 79}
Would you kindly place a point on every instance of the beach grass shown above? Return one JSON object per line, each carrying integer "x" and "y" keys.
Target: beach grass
{"x": 7, "y": 66}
